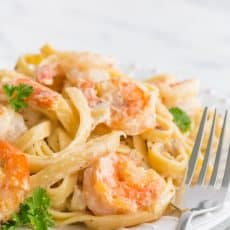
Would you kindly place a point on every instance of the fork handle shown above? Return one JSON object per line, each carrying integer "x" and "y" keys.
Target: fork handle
{"x": 187, "y": 216}
{"x": 184, "y": 220}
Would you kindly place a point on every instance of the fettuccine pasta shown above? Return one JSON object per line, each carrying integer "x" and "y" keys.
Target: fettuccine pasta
{"x": 105, "y": 147}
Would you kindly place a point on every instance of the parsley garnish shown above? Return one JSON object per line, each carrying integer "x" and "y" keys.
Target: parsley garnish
{"x": 33, "y": 213}
{"x": 181, "y": 119}
{"x": 17, "y": 95}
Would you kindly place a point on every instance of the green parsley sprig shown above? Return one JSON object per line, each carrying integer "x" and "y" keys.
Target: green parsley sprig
{"x": 17, "y": 95}
{"x": 33, "y": 213}
{"x": 181, "y": 119}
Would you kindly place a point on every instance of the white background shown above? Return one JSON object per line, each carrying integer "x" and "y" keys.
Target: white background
{"x": 189, "y": 38}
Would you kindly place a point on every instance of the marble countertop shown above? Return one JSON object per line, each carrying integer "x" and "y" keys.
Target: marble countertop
{"x": 189, "y": 38}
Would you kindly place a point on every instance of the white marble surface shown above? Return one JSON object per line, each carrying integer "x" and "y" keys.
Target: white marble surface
{"x": 189, "y": 38}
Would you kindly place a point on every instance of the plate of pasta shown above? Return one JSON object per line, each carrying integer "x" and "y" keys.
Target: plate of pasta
{"x": 82, "y": 142}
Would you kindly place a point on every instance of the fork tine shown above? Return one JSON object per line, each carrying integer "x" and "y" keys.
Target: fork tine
{"x": 196, "y": 148}
{"x": 226, "y": 179}
{"x": 203, "y": 171}
{"x": 219, "y": 152}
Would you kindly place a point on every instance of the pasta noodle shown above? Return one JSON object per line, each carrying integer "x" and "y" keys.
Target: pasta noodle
{"x": 75, "y": 161}
{"x": 106, "y": 148}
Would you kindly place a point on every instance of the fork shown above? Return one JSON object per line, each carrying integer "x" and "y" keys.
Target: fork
{"x": 202, "y": 198}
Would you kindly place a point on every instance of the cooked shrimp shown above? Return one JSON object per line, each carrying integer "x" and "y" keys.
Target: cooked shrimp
{"x": 14, "y": 179}
{"x": 75, "y": 66}
{"x": 12, "y": 124}
{"x": 132, "y": 107}
{"x": 83, "y": 70}
{"x": 41, "y": 97}
{"x": 115, "y": 185}
{"x": 47, "y": 73}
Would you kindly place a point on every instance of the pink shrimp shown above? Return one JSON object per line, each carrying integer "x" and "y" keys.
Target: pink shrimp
{"x": 115, "y": 184}
{"x": 74, "y": 66}
{"x": 41, "y": 97}
{"x": 14, "y": 179}
{"x": 132, "y": 107}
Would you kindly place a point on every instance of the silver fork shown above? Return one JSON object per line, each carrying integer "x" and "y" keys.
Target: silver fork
{"x": 201, "y": 198}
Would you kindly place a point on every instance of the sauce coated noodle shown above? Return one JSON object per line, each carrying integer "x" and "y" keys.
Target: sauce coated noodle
{"x": 103, "y": 145}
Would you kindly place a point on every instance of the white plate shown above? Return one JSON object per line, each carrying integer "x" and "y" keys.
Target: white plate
{"x": 211, "y": 98}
